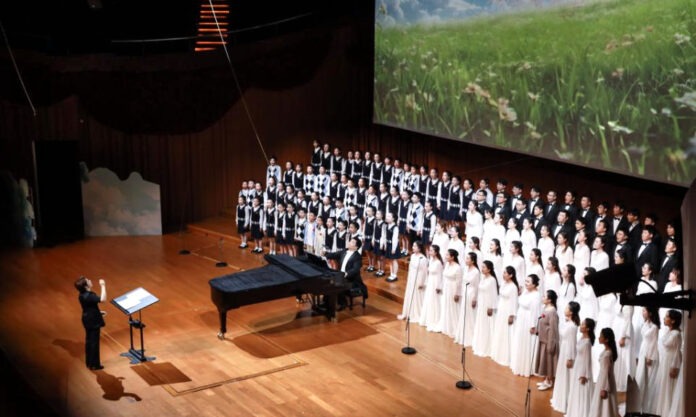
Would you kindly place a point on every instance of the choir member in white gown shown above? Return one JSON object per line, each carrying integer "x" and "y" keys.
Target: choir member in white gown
{"x": 564, "y": 253}
{"x": 586, "y": 297}
{"x": 474, "y": 221}
{"x": 432, "y": 300}
{"x": 535, "y": 267}
{"x": 473, "y": 244}
{"x": 467, "y": 305}
{"x": 648, "y": 360}
{"x": 646, "y": 285}
{"x": 497, "y": 231}
{"x": 529, "y": 307}
{"x": 528, "y": 236}
{"x": 599, "y": 259}
{"x": 605, "y": 318}
{"x": 451, "y": 292}
{"x": 455, "y": 242}
{"x": 441, "y": 238}
{"x": 495, "y": 255}
{"x": 569, "y": 289}
{"x": 674, "y": 284}
{"x": 581, "y": 386}
{"x": 505, "y": 318}
{"x": 604, "y": 403}
{"x": 552, "y": 276}
{"x": 566, "y": 356}
{"x": 511, "y": 235}
{"x": 546, "y": 244}
{"x": 581, "y": 254}
{"x": 677, "y": 407}
{"x": 623, "y": 330}
{"x": 487, "y": 302}
{"x": 516, "y": 258}
{"x": 415, "y": 284}
{"x": 670, "y": 362}
{"x": 488, "y": 228}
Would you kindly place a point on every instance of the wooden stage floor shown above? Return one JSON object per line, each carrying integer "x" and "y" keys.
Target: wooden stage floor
{"x": 276, "y": 360}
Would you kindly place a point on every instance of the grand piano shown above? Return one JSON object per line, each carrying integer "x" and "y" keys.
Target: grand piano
{"x": 284, "y": 276}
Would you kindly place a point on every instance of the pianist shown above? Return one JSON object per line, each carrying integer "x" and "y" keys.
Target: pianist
{"x": 350, "y": 263}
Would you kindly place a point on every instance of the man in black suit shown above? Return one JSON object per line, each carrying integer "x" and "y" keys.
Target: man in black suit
{"x": 619, "y": 219}
{"x": 516, "y": 195}
{"x": 350, "y": 263}
{"x": 482, "y": 201}
{"x": 538, "y": 219}
{"x": 601, "y": 214}
{"x": 647, "y": 252}
{"x": 586, "y": 211}
{"x": 651, "y": 220}
{"x": 551, "y": 209}
{"x": 501, "y": 187}
{"x": 669, "y": 261}
{"x": 622, "y": 243}
{"x": 569, "y": 205}
{"x": 635, "y": 229}
{"x": 520, "y": 212}
{"x": 501, "y": 206}
{"x": 563, "y": 225}
{"x": 534, "y": 198}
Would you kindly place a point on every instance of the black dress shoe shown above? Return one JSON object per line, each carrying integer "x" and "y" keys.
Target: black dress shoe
{"x": 96, "y": 368}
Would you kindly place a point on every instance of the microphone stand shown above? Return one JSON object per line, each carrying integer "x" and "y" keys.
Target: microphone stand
{"x": 221, "y": 263}
{"x": 408, "y": 349}
{"x": 464, "y": 384}
{"x": 528, "y": 397}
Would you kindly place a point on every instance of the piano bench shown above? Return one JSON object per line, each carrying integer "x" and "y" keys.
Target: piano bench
{"x": 354, "y": 293}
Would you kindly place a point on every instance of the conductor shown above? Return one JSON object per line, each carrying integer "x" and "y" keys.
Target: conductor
{"x": 92, "y": 319}
{"x": 350, "y": 263}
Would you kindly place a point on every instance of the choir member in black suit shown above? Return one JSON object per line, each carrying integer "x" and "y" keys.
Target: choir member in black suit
{"x": 651, "y": 220}
{"x": 517, "y": 190}
{"x": 534, "y": 198}
{"x": 563, "y": 225}
{"x": 622, "y": 243}
{"x": 481, "y": 203}
{"x": 538, "y": 219}
{"x": 647, "y": 251}
{"x": 569, "y": 205}
{"x": 601, "y": 214}
{"x": 501, "y": 187}
{"x": 586, "y": 212}
{"x": 501, "y": 207}
{"x": 634, "y": 227}
{"x": 619, "y": 219}
{"x": 551, "y": 208}
{"x": 520, "y": 212}
{"x": 669, "y": 261}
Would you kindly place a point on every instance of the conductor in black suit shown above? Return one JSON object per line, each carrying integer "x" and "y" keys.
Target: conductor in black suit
{"x": 92, "y": 319}
{"x": 350, "y": 263}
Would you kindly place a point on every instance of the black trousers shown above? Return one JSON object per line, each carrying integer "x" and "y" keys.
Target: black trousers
{"x": 92, "y": 347}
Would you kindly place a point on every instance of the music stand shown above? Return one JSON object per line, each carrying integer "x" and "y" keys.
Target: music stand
{"x": 134, "y": 302}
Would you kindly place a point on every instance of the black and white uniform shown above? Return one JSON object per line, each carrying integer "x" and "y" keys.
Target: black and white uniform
{"x": 429, "y": 222}
{"x": 268, "y": 225}
{"x": 309, "y": 182}
{"x": 387, "y": 174}
{"x": 402, "y": 216}
{"x": 431, "y": 193}
{"x": 330, "y": 239}
{"x": 289, "y": 229}
{"x": 455, "y": 205}
{"x": 377, "y": 237}
{"x": 340, "y": 241}
{"x": 321, "y": 184}
{"x": 369, "y": 233}
{"x": 360, "y": 201}
{"x": 243, "y": 218}
{"x": 314, "y": 207}
{"x": 376, "y": 174}
{"x": 391, "y": 238}
{"x": 287, "y": 176}
{"x": 278, "y": 226}
{"x": 316, "y": 158}
{"x": 443, "y": 192}
{"x": 256, "y": 222}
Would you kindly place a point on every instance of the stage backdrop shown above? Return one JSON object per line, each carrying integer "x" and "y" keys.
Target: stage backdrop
{"x": 604, "y": 83}
{"x": 113, "y": 207}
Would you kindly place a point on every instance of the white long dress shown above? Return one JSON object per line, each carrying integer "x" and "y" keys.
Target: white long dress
{"x": 581, "y": 257}
{"x": 604, "y": 407}
{"x": 637, "y": 320}
{"x": 430, "y": 314}
{"x": 528, "y": 239}
{"x": 413, "y": 297}
{"x": 474, "y": 224}
{"x": 566, "y": 294}
{"x": 567, "y": 351}
{"x": 624, "y": 366}
{"x": 599, "y": 260}
{"x": 487, "y": 298}
{"x": 646, "y": 376}
{"x": 669, "y": 287}
{"x": 464, "y": 334}
{"x": 497, "y": 261}
{"x": 580, "y": 396}
{"x": 517, "y": 262}
{"x": 588, "y": 302}
{"x": 442, "y": 242}
{"x": 547, "y": 248}
{"x": 488, "y": 234}
{"x": 503, "y": 331}
{"x": 451, "y": 286}
{"x": 521, "y": 358}
{"x": 565, "y": 257}
{"x": 670, "y": 357}
{"x": 677, "y": 408}
{"x": 537, "y": 270}
{"x": 551, "y": 281}
{"x": 605, "y": 318}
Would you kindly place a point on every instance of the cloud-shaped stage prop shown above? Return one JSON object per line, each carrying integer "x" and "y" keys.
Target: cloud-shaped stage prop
{"x": 119, "y": 208}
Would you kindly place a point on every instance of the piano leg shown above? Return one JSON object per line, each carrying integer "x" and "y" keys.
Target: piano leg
{"x": 331, "y": 307}
{"x": 223, "y": 324}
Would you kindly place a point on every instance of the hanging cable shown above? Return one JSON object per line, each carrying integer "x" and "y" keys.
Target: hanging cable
{"x": 236, "y": 81}
{"x": 19, "y": 74}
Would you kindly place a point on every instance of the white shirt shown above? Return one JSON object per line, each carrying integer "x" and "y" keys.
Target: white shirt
{"x": 349, "y": 253}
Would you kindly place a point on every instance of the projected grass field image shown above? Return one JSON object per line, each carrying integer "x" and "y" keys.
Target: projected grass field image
{"x": 610, "y": 84}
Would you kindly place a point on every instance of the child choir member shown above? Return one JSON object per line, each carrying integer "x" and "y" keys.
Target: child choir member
{"x": 505, "y": 318}
{"x": 243, "y": 219}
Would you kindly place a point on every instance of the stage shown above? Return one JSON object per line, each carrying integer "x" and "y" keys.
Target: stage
{"x": 277, "y": 359}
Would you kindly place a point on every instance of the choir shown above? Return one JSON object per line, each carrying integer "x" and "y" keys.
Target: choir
{"x": 468, "y": 250}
